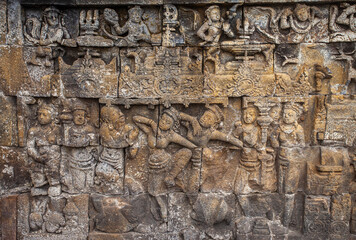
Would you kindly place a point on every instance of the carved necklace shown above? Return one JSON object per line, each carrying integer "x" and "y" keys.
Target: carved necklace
{"x": 301, "y": 29}
{"x": 288, "y": 128}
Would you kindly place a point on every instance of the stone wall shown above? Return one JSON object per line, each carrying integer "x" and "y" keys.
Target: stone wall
{"x": 159, "y": 119}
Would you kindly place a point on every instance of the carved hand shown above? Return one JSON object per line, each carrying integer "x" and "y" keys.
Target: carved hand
{"x": 197, "y": 130}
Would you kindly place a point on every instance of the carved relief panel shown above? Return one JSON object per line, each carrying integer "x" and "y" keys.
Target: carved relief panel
{"x": 177, "y": 120}
{"x": 160, "y": 72}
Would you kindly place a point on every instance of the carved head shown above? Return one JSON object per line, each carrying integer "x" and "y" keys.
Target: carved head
{"x": 112, "y": 117}
{"x": 51, "y": 16}
{"x": 291, "y": 113}
{"x": 80, "y": 113}
{"x": 135, "y": 14}
{"x": 45, "y": 114}
{"x": 302, "y": 12}
{"x": 250, "y": 115}
{"x": 213, "y": 13}
{"x": 169, "y": 119}
{"x": 166, "y": 122}
{"x": 79, "y": 117}
{"x": 211, "y": 117}
{"x": 275, "y": 112}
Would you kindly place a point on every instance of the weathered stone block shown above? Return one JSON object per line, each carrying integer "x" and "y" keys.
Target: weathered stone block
{"x": 43, "y": 217}
{"x": 8, "y": 217}
{"x": 8, "y": 122}
{"x": 14, "y": 171}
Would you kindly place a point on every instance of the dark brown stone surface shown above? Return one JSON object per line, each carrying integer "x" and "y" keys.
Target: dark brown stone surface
{"x": 8, "y": 217}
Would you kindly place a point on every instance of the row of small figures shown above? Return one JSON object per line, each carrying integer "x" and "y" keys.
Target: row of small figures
{"x": 105, "y": 30}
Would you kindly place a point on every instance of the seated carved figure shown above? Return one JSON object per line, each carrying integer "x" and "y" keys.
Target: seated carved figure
{"x": 302, "y": 24}
{"x": 135, "y": 28}
{"x": 44, "y": 151}
{"x": 116, "y": 135}
{"x": 49, "y": 33}
{"x": 300, "y": 21}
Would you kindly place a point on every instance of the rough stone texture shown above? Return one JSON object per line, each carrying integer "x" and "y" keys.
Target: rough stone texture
{"x": 14, "y": 172}
{"x": 161, "y": 119}
{"x": 8, "y": 217}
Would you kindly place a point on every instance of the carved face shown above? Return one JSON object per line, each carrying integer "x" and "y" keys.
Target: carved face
{"x": 289, "y": 116}
{"x": 52, "y": 18}
{"x": 166, "y": 122}
{"x": 275, "y": 113}
{"x": 250, "y": 115}
{"x": 215, "y": 15}
{"x": 135, "y": 16}
{"x": 44, "y": 116}
{"x": 79, "y": 117}
{"x": 302, "y": 14}
{"x": 116, "y": 120}
{"x": 208, "y": 119}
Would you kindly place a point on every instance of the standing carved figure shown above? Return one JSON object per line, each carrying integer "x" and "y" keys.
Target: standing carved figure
{"x": 164, "y": 167}
{"x": 81, "y": 152}
{"x": 289, "y": 137}
{"x": 256, "y": 165}
{"x": 206, "y": 208}
{"x": 44, "y": 151}
{"x": 135, "y": 28}
{"x": 249, "y": 163}
{"x": 50, "y": 33}
{"x": 208, "y": 125}
{"x": 116, "y": 135}
{"x": 211, "y": 29}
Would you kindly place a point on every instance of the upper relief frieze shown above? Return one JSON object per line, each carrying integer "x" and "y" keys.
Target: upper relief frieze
{"x": 176, "y": 25}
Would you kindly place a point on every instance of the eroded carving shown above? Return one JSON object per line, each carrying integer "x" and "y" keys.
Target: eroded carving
{"x": 47, "y": 33}
{"x": 164, "y": 167}
{"x": 80, "y": 152}
{"x": 136, "y": 29}
{"x": 89, "y": 76}
{"x": 304, "y": 23}
{"x": 116, "y": 136}
{"x": 290, "y": 139}
{"x": 257, "y": 164}
{"x": 160, "y": 73}
{"x": 44, "y": 151}
{"x": 231, "y": 120}
{"x": 342, "y": 23}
